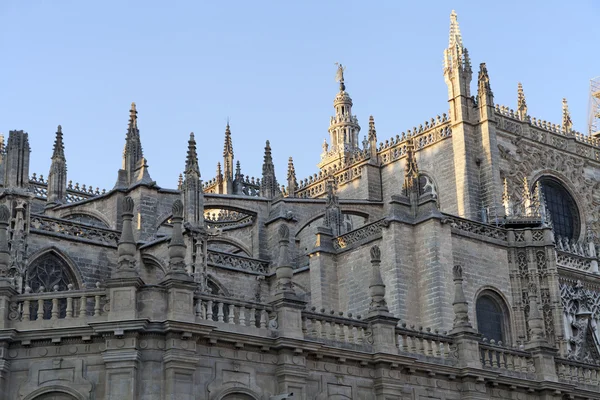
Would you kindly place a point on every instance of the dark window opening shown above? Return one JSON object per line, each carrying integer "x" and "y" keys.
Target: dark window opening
{"x": 490, "y": 319}
{"x": 562, "y": 209}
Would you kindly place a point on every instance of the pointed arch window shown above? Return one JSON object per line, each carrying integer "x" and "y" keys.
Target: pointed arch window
{"x": 562, "y": 208}
{"x": 49, "y": 272}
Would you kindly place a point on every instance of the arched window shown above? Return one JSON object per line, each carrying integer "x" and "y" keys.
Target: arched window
{"x": 562, "y": 208}
{"x": 491, "y": 318}
{"x": 49, "y": 271}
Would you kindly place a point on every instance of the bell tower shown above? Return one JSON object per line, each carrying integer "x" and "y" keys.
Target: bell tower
{"x": 343, "y": 127}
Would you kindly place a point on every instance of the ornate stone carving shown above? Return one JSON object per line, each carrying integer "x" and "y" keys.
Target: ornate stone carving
{"x": 362, "y": 233}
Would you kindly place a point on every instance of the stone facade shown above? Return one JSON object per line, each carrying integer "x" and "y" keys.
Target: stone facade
{"x": 457, "y": 260}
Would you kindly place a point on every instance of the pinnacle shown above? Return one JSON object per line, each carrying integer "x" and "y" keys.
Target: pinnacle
{"x": 372, "y": 131}
{"x": 291, "y": 170}
{"x": 191, "y": 162}
{"x": 59, "y": 148}
{"x": 228, "y": 146}
{"x": 455, "y": 36}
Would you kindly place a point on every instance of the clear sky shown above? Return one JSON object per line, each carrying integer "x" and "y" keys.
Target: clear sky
{"x": 269, "y": 67}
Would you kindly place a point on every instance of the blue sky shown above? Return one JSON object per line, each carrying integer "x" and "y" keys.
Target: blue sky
{"x": 269, "y": 67}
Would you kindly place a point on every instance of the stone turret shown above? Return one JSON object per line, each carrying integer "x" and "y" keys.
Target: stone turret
{"x": 291, "y": 178}
{"x": 343, "y": 127}
{"x": 16, "y": 161}
{"x": 57, "y": 177}
{"x": 134, "y": 168}
{"x": 268, "y": 184}
{"x": 228, "y": 162}
{"x": 193, "y": 197}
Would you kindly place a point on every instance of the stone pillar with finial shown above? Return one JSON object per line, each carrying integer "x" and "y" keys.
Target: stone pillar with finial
{"x": 7, "y": 289}
{"x": 179, "y": 284}
{"x": 125, "y": 280}
{"x": 285, "y": 301}
{"x": 466, "y": 338}
{"x": 542, "y": 352}
{"x": 381, "y": 321}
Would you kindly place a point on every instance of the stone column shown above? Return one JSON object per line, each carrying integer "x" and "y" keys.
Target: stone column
{"x": 543, "y": 354}
{"x": 287, "y": 305}
{"x": 125, "y": 279}
{"x": 465, "y": 337}
{"x": 180, "y": 360}
{"x": 382, "y": 322}
{"x": 323, "y": 275}
{"x": 121, "y": 360}
{"x": 291, "y": 373}
{"x": 179, "y": 284}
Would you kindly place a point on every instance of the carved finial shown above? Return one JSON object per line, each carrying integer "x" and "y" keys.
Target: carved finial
{"x": 284, "y": 233}
{"x": 372, "y": 131}
{"x": 128, "y": 205}
{"x": 484, "y": 81}
{"x": 457, "y": 272}
{"x": 455, "y": 39}
{"x": 228, "y": 146}
{"x": 375, "y": 254}
{"x": 339, "y": 76}
{"x": 191, "y": 161}
{"x": 521, "y": 103}
{"x": 177, "y": 208}
{"x": 567, "y": 124}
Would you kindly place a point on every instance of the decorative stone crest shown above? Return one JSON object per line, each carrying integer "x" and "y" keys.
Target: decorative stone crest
{"x": 460, "y": 305}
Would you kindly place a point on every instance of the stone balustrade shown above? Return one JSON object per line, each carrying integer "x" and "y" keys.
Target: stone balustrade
{"x": 45, "y": 224}
{"x": 494, "y": 355}
{"x": 359, "y": 235}
{"x": 237, "y": 262}
{"x": 577, "y": 373}
{"x": 579, "y": 255}
{"x": 75, "y": 193}
{"x": 423, "y": 342}
{"x": 322, "y": 327}
{"x": 66, "y": 305}
{"x": 234, "y": 312}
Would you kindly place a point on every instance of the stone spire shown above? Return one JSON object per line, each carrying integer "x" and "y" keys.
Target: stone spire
{"x": 457, "y": 73}
{"x": 343, "y": 127}
{"x": 127, "y": 247}
{"x": 16, "y": 162}
{"x": 376, "y": 285}
{"x": 460, "y": 305}
{"x": 372, "y": 138}
{"x": 4, "y": 250}
{"x": 527, "y": 203}
{"x": 291, "y": 178}
{"x": 134, "y": 168}
{"x": 193, "y": 197}
{"x": 484, "y": 92}
{"x": 567, "y": 124}
{"x": 228, "y": 162}
{"x": 411, "y": 171}
{"x": 177, "y": 245}
{"x": 268, "y": 184}
{"x": 219, "y": 178}
{"x": 506, "y": 200}
{"x": 57, "y": 177}
{"x": 521, "y": 103}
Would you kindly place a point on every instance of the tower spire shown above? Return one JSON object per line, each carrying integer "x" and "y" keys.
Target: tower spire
{"x": 343, "y": 127}
{"x": 191, "y": 161}
{"x": 228, "y": 162}
{"x": 521, "y": 103}
{"x": 134, "y": 168}
{"x": 57, "y": 177}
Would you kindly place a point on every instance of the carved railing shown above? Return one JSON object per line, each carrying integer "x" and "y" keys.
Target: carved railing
{"x": 245, "y": 185}
{"x": 464, "y": 226}
{"x": 372, "y": 230}
{"x": 226, "y": 260}
{"x": 577, "y": 373}
{"x": 234, "y": 312}
{"x": 42, "y": 224}
{"x": 423, "y": 342}
{"x": 75, "y": 193}
{"x": 328, "y": 328}
{"x": 68, "y": 305}
{"x": 314, "y": 185}
{"x": 495, "y": 356}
